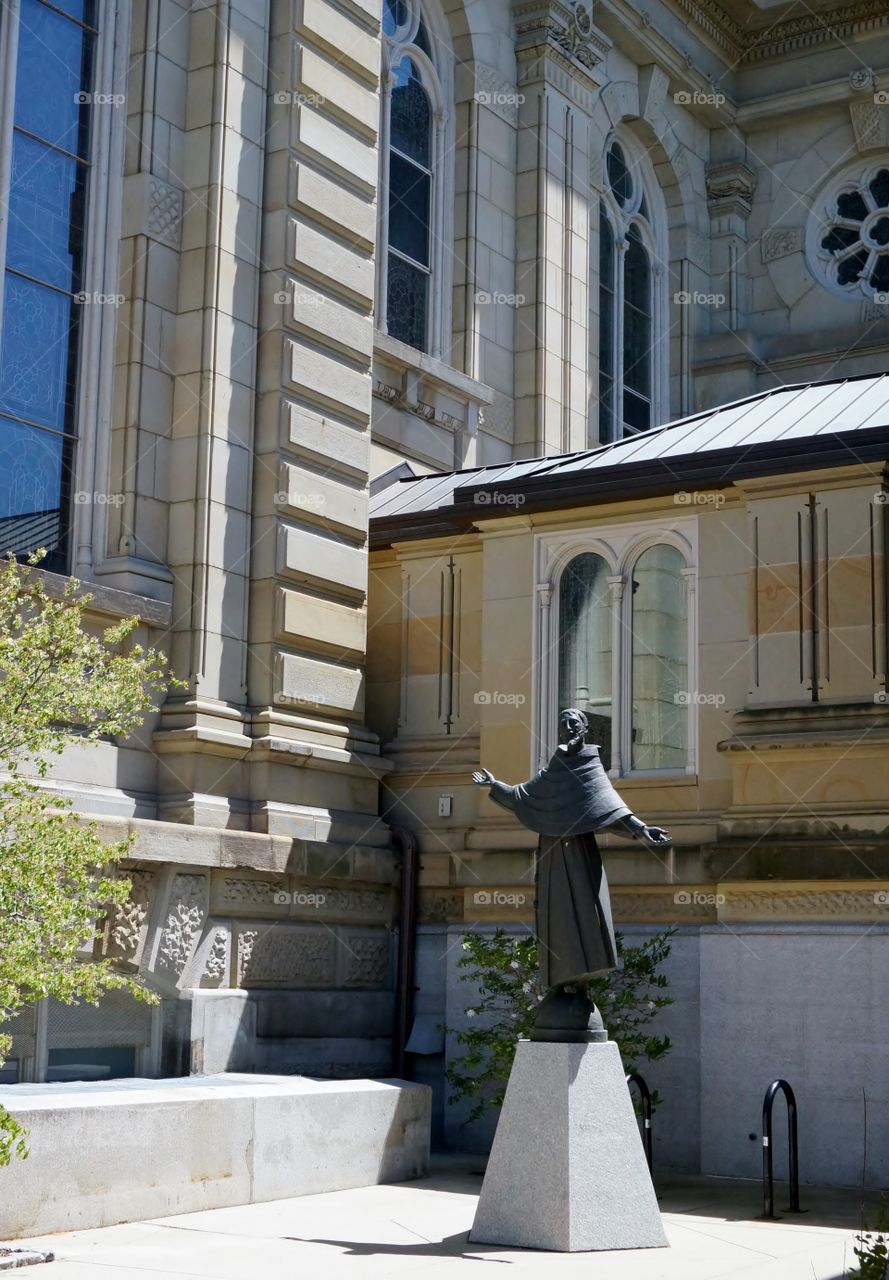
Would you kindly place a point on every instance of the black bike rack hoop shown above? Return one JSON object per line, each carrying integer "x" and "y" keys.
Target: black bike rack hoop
{"x": 645, "y": 1095}
{"x": 768, "y": 1173}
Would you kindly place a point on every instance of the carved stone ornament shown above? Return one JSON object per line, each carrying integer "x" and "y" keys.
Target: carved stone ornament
{"x": 571, "y": 27}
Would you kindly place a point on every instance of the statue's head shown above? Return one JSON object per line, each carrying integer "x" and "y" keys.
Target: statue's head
{"x": 573, "y": 728}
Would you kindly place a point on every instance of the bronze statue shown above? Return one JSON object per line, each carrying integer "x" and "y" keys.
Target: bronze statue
{"x": 566, "y": 803}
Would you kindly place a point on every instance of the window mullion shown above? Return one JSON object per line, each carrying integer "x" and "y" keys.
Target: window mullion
{"x": 435, "y": 231}
{"x": 383, "y": 251}
{"x": 621, "y": 247}
{"x": 617, "y": 583}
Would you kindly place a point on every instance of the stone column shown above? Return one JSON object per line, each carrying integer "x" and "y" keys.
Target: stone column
{"x": 557, "y": 49}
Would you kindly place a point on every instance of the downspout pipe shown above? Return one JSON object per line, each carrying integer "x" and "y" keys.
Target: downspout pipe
{"x": 406, "y": 843}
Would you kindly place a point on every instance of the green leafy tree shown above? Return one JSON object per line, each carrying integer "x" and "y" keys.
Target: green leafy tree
{"x": 60, "y": 683}
{"x": 503, "y": 968}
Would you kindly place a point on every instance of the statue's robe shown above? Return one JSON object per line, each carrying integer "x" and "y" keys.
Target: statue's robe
{"x": 566, "y": 803}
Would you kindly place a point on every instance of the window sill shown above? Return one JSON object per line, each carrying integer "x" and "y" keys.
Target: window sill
{"x": 426, "y": 383}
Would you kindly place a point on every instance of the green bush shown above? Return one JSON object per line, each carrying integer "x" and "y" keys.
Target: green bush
{"x": 872, "y": 1249}
{"x": 503, "y": 968}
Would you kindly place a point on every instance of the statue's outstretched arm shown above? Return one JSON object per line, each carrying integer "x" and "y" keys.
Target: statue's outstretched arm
{"x": 501, "y": 792}
{"x": 636, "y": 828}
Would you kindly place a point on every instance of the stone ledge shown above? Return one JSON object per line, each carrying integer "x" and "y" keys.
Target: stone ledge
{"x": 126, "y": 1150}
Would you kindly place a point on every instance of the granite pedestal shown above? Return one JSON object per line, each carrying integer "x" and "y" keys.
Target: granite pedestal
{"x": 567, "y": 1170}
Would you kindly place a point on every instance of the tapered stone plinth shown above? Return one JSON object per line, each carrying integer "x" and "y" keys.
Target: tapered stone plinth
{"x": 567, "y": 1170}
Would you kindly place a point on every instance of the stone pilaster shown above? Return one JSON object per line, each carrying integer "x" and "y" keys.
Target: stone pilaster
{"x": 730, "y": 190}
{"x": 202, "y": 740}
{"x": 312, "y": 756}
{"x": 558, "y": 50}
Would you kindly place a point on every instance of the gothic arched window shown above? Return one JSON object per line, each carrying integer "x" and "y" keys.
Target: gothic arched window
{"x": 413, "y": 145}
{"x": 628, "y": 373}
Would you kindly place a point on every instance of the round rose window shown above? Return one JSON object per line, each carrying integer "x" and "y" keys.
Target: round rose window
{"x": 851, "y": 235}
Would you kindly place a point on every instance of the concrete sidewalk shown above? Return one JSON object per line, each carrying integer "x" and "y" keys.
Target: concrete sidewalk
{"x": 420, "y": 1229}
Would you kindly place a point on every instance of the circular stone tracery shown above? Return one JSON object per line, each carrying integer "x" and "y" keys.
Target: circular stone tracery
{"x": 853, "y": 236}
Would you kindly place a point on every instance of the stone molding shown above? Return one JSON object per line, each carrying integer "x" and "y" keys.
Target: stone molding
{"x": 730, "y": 188}
{"x": 743, "y": 45}
{"x": 826, "y": 901}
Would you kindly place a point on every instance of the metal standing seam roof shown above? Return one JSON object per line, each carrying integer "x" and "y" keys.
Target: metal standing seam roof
{"x": 819, "y": 410}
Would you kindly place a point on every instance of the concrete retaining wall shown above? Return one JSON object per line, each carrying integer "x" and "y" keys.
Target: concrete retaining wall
{"x": 132, "y": 1149}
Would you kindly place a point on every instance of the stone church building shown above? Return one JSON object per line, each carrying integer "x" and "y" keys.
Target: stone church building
{"x": 265, "y": 258}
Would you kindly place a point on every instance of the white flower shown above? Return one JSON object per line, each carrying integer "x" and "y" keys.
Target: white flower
{"x": 470, "y": 1013}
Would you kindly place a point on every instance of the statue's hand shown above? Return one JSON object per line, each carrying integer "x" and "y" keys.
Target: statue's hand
{"x": 657, "y": 836}
{"x": 483, "y": 777}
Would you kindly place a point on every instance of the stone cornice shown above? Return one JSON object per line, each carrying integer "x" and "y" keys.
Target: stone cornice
{"x": 805, "y": 32}
{"x": 816, "y": 29}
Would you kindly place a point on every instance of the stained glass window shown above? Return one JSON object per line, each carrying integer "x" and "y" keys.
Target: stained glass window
{"x": 626, "y": 304}
{"x": 606, "y": 327}
{"x": 409, "y": 137}
{"x": 43, "y": 273}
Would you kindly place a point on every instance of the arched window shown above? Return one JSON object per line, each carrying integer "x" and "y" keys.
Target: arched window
{"x": 659, "y": 680}
{"x": 585, "y": 627}
{"x": 628, "y": 373}
{"x": 413, "y": 149}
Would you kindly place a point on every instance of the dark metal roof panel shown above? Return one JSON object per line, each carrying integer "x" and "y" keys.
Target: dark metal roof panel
{"x": 783, "y": 413}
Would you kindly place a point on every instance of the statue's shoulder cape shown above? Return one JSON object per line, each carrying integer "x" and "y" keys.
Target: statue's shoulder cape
{"x": 571, "y": 795}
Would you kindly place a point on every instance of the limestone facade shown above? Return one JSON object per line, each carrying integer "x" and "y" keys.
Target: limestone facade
{"x": 275, "y": 323}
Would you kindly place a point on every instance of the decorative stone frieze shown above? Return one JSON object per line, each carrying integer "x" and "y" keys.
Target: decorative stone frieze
{"x": 364, "y": 959}
{"x": 439, "y": 906}
{"x": 870, "y": 123}
{"x": 566, "y": 28}
{"x": 780, "y": 242}
{"x": 153, "y": 208}
{"x": 185, "y": 914}
{"x": 288, "y": 956}
{"x": 497, "y": 94}
{"x": 126, "y": 927}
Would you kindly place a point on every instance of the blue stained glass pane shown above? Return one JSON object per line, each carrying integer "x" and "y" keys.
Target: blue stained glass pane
{"x": 409, "y": 197}
{"x": 422, "y": 41}
{"x": 395, "y": 15}
{"x": 39, "y": 334}
{"x": 32, "y": 471}
{"x": 53, "y": 75}
{"x": 45, "y": 214}
{"x": 411, "y": 115}
{"x": 618, "y": 174}
{"x": 406, "y": 302}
